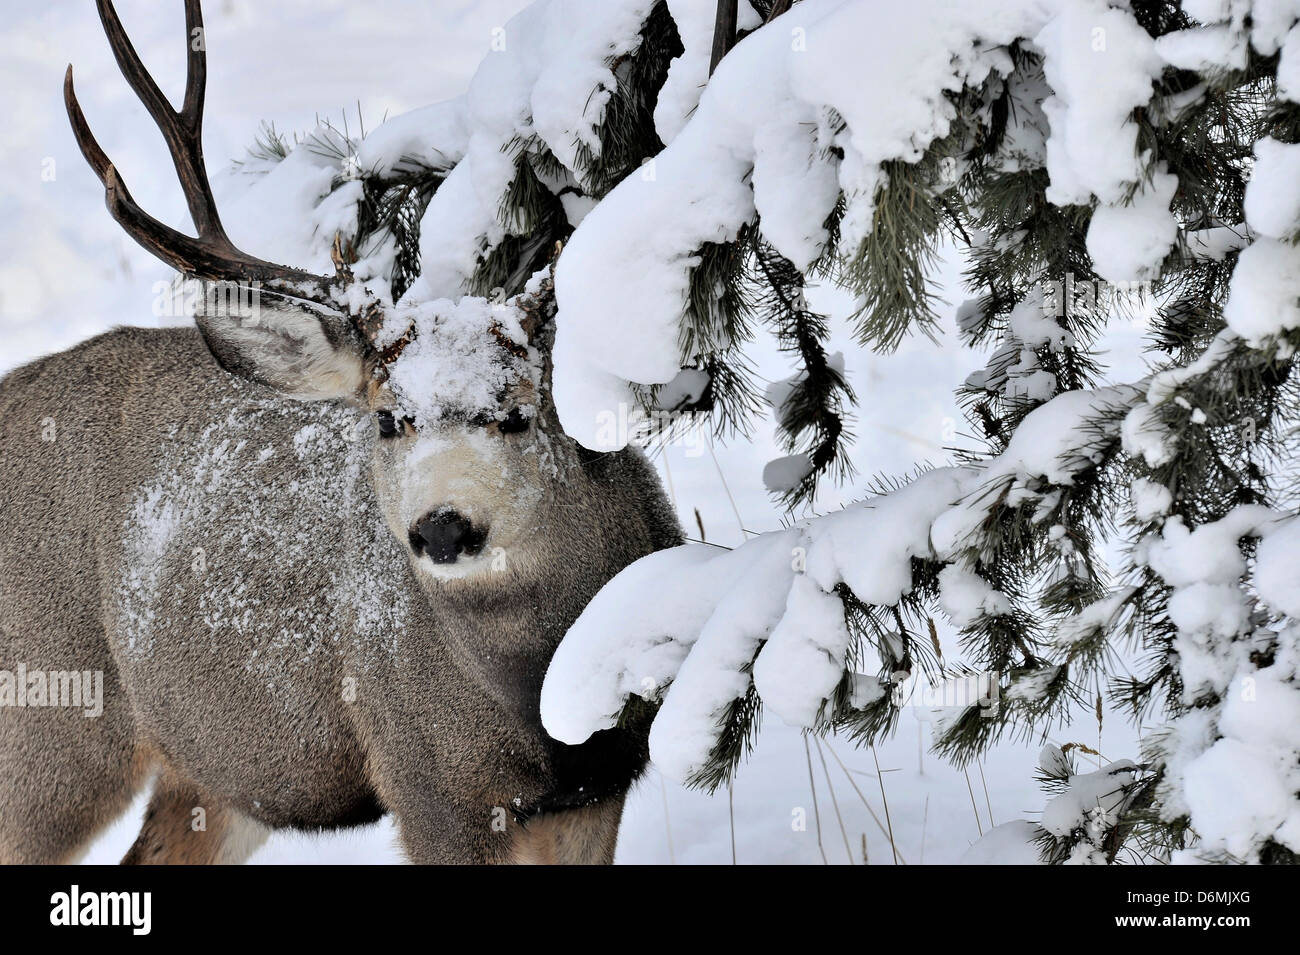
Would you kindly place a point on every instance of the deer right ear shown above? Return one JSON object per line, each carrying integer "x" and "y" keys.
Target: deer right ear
{"x": 287, "y": 345}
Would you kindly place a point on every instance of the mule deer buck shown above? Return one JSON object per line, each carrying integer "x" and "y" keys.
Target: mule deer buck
{"x": 310, "y": 605}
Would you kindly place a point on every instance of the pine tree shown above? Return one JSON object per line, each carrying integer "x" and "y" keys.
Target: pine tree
{"x": 1198, "y": 455}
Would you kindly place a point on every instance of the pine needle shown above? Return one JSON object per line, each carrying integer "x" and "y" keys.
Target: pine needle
{"x": 817, "y": 816}
{"x": 844, "y": 832}
{"x": 880, "y": 777}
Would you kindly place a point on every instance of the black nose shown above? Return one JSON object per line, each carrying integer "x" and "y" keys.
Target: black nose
{"x": 444, "y": 535}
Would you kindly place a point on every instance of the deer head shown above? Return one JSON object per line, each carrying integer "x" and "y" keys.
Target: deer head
{"x": 458, "y": 464}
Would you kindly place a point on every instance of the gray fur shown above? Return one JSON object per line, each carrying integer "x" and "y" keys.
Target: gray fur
{"x": 217, "y": 550}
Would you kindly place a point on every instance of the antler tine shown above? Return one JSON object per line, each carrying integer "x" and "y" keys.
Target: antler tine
{"x": 128, "y": 61}
{"x": 212, "y": 255}
{"x": 196, "y": 65}
{"x": 182, "y": 130}
{"x": 95, "y": 156}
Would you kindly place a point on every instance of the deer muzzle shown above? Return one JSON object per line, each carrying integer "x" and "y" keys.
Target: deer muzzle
{"x": 444, "y": 535}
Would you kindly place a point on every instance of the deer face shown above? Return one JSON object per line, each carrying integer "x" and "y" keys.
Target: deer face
{"x": 460, "y": 492}
{"x": 462, "y": 454}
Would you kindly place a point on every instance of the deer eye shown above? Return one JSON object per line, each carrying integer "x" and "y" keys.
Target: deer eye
{"x": 389, "y": 426}
{"x": 514, "y": 422}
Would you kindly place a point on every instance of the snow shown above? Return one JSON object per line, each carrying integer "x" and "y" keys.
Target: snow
{"x": 434, "y": 135}
{"x": 1273, "y": 193}
{"x": 773, "y": 592}
{"x": 845, "y": 52}
{"x": 1264, "y": 22}
{"x": 547, "y": 75}
{"x": 1024, "y": 143}
{"x": 1100, "y": 65}
{"x": 1011, "y": 843}
{"x": 965, "y": 597}
{"x": 1033, "y": 325}
{"x": 1240, "y": 787}
{"x": 804, "y": 656}
{"x": 790, "y": 120}
{"x": 1091, "y": 619}
{"x": 1264, "y": 294}
{"x": 1165, "y": 384}
{"x": 784, "y": 474}
{"x": 1128, "y": 242}
{"x": 688, "y": 73}
{"x": 1234, "y": 791}
{"x": 1201, "y": 610}
{"x": 1052, "y": 443}
{"x": 1052, "y": 761}
{"x": 870, "y": 545}
{"x": 1288, "y": 69}
{"x": 1209, "y": 552}
{"x": 1216, "y": 242}
{"x": 1151, "y": 501}
{"x": 582, "y": 38}
{"x": 455, "y": 364}
{"x": 1089, "y": 794}
{"x": 597, "y": 681}
{"x": 1209, "y": 608}
{"x": 1204, "y": 48}
{"x": 1234, "y": 770}
{"x": 1269, "y": 22}
{"x": 1277, "y": 568}
{"x": 1143, "y": 433}
{"x": 1032, "y": 686}
{"x": 686, "y": 389}
{"x": 1090, "y": 806}
{"x": 289, "y": 193}
{"x": 1264, "y": 712}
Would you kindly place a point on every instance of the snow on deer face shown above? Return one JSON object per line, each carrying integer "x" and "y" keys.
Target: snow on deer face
{"x": 460, "y": 463}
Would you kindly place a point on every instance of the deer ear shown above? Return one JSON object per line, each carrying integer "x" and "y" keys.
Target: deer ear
{"x": 287, "y": 345}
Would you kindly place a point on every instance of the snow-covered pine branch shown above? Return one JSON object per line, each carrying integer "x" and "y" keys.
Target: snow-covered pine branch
{"x": 691, "y": 624}
{"x": 773, "y": 125}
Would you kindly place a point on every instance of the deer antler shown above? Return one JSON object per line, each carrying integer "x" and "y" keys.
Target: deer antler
{"x": 211, "y": 255}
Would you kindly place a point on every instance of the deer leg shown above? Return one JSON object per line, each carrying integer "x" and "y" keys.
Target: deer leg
{"x": 445, "y": 834}
{"x": 183, "y": 826}
{"x": 585, "y": 836}
{"x": 53, "y": 805}
{"x": 65, "y": 772}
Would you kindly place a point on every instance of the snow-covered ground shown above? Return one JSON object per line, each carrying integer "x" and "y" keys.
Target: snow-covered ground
{"x": 67, "y": 272}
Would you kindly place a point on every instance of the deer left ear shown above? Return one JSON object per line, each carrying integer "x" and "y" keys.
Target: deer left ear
{"x": 287, "y": 345}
